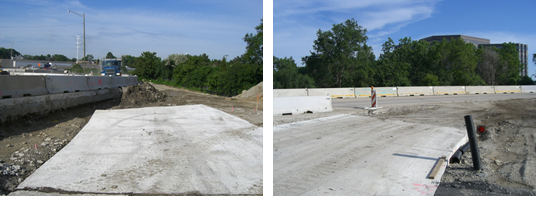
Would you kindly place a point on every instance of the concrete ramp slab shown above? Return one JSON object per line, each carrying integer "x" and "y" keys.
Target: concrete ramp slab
{"x": 352, "y": 155}
{"x": 192, "y": 150}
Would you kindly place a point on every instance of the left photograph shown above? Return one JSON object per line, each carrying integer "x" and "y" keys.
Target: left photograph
{"x": 131, "y": 98}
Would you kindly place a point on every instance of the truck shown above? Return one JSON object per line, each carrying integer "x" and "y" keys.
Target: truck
{"x": 111, "y": 67}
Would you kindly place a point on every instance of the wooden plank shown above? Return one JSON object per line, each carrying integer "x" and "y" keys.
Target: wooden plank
{"x": 436, "y": 168}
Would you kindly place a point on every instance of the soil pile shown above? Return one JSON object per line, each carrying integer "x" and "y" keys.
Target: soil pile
{"x": 252, "y": 93}
{"x": 141, "y": 96}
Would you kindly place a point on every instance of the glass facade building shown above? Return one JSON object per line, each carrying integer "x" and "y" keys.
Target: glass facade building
{"x": 522, "y": 49}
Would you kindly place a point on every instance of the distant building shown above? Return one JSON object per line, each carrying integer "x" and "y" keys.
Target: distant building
{"x": 469, "y": 39}
{"x": 482, "y": 42}
{"x": 522, "y": 54}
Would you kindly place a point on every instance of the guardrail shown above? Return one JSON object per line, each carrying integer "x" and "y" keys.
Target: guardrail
{"x": 403, "y": 91}
{"x": 15, "y": 86}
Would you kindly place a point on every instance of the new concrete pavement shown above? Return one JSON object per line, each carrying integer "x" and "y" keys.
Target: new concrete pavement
{"x": 193, "y": 150}
{"x": 358, "y": 155}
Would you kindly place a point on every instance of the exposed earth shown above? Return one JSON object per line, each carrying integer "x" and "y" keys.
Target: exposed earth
{"x": 507, "y": 150}
{"x": 25, "y": 144}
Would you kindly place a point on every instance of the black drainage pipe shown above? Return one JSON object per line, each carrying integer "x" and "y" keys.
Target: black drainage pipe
{"x": 457, "y": 156}
{"x": 465, "y": 147}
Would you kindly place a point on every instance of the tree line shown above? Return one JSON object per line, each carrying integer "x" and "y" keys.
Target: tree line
{"x": 342, "y": 58}
{"x": 199, "y": 72}
{"x": 5, "y": 54}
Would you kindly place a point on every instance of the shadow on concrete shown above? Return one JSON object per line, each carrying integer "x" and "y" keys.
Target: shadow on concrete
{"x": 416, "y": 157}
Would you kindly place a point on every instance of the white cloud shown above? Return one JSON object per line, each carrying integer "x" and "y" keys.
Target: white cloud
{"x": 294, "y": 19}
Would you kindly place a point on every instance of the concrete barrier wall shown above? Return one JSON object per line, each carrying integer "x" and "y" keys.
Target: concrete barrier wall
{"x": 132, "y": 80}
{"x": 449, "y": 90}
{"x": 15, "y": 86}
{"x": 289, "y": 92}
{"x": 66, "y": 84}
{"x": 404, "y": 91}
{"x": 386, "y": 91}
{"x": 528, "y": 89}
{"x": 362, "y": 92}
{"x": 19, "y": 86}
{"x": 507, "y": 89}
{"x": 300, "y": 105}
{"x": 12, "y": 109}
{"x": 99, "y": 83}
{"x": 334, "y": 92}
{"x": 119, "y": 81}
{"x": 479, "y": 89}
{"x": 416, "y": 91}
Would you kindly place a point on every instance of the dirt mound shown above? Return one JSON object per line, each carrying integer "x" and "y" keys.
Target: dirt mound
{"x": 252, "y": 93}
{"x": 140, "y": 96}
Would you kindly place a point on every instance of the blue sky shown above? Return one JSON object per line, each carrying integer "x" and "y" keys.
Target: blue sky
{"x": 296, "y": 22}
{"x": 125, "y": 27}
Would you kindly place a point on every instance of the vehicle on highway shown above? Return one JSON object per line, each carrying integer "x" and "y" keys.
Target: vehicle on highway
{"x": 111, "y": 67}
{"x": 47, "y": 66}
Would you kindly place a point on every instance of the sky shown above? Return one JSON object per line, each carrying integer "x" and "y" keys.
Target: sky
{"x": 214, "y": 27}
{"x": 297, "y": 21}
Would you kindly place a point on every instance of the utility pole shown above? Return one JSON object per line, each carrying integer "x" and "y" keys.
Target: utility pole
{"x": 11, "y": 53}
{"x": 83, "y": 15}
{"x": 77, "y": 47}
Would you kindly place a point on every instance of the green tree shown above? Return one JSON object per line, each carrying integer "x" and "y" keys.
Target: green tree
{"x": 59, "y": 57}
{"x": 128, "y": 60}
{"x": 489, "y": 64}
{"x": 254, "y": 54}
{"x": 88, "y": 57}
{"x": 510, "y": 65}
{"x": 110, "y": 55}
{"x": 334, "y": 61}
{"x": 146, "y": 65}
{"x": 286, "y": 75}
{"x": 184, "y": 72}
{"x": 5, "y": 53}
{"x": 430, "y": 80}
{"x": 391, "y": 70}
{"x": 526, "y": 80}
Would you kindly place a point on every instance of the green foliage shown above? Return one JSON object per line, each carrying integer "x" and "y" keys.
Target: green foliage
{"x": 341, "y": 56}
{"x": 526, "y": 80}
{"x": 199, "y": 73}
{"x": 510, "y": 65}
{"x": 146, "y": 65}
{"x": 110, "y": 55}
{"x": 77, "y": 68}
{"x": 286, "y": 75}
{"x": 237, "y": 78}
{"x": 254, "y": 54}
{"x": 88, "y": 57}
{"x": 128, "y": 60}
{"x": 5, "y": 53}
{"x": 430, "y": 80}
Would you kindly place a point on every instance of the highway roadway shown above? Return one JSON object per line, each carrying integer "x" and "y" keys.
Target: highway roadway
{"x": 387, "y": 101}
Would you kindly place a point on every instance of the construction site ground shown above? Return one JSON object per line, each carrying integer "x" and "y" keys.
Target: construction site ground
{"x": 507, "y": 150}
{"x": 29, "y": 142}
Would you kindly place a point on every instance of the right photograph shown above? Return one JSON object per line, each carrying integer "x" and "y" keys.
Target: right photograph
{"x": 403, "y": 98}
